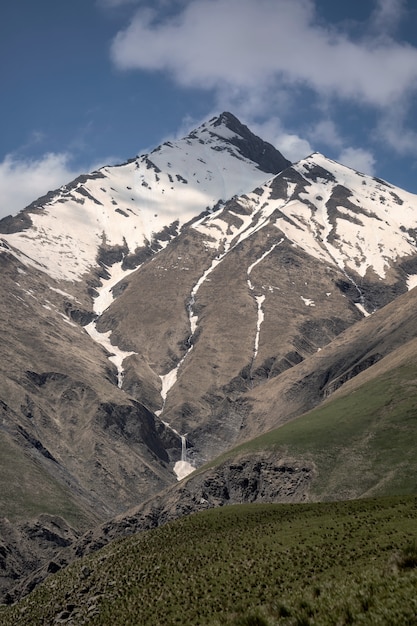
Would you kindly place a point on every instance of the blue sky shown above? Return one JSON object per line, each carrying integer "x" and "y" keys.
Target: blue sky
{"x": 90, "y": 82}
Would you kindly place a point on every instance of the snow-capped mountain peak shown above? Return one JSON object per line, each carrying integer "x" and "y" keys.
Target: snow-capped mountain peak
{"x": 142, "y": 203}
{"x": 338, "y": 215}
{"x": 363, "y": 223}
{"x": 251, "y": 314}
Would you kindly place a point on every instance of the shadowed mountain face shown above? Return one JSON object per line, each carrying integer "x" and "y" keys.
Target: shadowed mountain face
{"x": 157, "y": 313}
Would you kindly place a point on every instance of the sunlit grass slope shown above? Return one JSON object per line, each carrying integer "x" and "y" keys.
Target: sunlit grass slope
{"x": 324, "y": 563}
{"x": 362, "y": 443}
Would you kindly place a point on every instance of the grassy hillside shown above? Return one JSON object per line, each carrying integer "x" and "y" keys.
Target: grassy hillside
{"x": 361, "y": 441}
{"x": 28, "y": 490}
{"x": 326, "y": 563}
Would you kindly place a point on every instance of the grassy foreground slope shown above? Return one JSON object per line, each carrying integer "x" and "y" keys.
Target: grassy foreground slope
{"x": 323, "y": 563}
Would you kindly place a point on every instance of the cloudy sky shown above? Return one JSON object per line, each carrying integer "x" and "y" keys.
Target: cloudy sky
{"x": 90, "y": 82}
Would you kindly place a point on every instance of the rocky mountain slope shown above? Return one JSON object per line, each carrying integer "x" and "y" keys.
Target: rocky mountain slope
{"x": 268, "y": 279}
{"x": 358, "y": 442}
{"x": 158, "y": 313}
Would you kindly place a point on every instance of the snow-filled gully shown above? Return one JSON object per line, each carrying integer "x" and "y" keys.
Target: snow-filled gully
{"x": 183, "y": 468}
{"x": 168, "y": 380}
{"x": 104, "y": 299}
{"x": 100, "y": 304}
{"x": 259, "y": 299}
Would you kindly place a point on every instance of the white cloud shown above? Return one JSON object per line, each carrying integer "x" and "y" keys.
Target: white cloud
{"x": 291, "y": 145}
{"x": 392, "y": 129}
{"x": 24, "y": 180}
{"x": 326, "y": 132}
{"x": 249, "y": 43}
{"x": 387, "y": 15}
{"x": 359, "y": 159}
{"x": 294, "y": 147}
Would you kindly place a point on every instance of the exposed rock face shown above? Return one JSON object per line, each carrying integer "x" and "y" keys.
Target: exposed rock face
{"x": 24, "y": 547}
{"x": 249, "y": 478}
{"x": 252, "y": 147}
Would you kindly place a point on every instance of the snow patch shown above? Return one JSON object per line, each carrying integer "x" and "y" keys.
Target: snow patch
{"x": 105, "y": 292}
{"x": 362, "y": 309}
{"x": 117, "y": 356}
{"x": 62, "y": 293}
{"x": 259, "y": 301}
{"x": 307, "y": 301}
{"x": 411, "y": 281}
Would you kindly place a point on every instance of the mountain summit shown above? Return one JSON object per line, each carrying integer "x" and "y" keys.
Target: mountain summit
{"x": 140, "y": 205}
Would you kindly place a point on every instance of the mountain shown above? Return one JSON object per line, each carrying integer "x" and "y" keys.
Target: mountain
{"x": 158, "y": 313}
{"x": 61, "y": 400}
{"x": 134, "y": 209}
{"x": 257, "y": 286}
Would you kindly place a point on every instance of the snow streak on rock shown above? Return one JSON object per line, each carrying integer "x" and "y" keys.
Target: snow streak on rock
{"x": 101, "y": 303}
{"x": 168, "y": 380}
{"x": 117, "y": 356}
{"x": 194, "y": 318}
{"x": 411, "y": 281}
{"x": 259, "y": 299}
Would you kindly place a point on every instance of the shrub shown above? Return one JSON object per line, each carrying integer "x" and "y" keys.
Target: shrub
{"x": 407, "y": 558}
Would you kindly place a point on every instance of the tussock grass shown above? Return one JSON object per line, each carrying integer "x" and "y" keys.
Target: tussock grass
{"x": 246, "y": 565}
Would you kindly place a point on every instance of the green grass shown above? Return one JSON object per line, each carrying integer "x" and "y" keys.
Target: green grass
{"x": 27, "y": 490}
{"x": 362, "y": 444}
{"x": 324, "y": 563}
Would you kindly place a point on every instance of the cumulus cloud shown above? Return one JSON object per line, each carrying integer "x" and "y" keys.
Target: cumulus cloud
{"x": 394, "y": 131}
{"x": 326, "y": 131}
{"x": 387, "y": 15}
{"x": 248, "y": 43}
{"x": 291, "y": 145}
{"x": 25, "y": 180}
{"x": 359, "y": 159}
{"x": 295, "y": 147}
